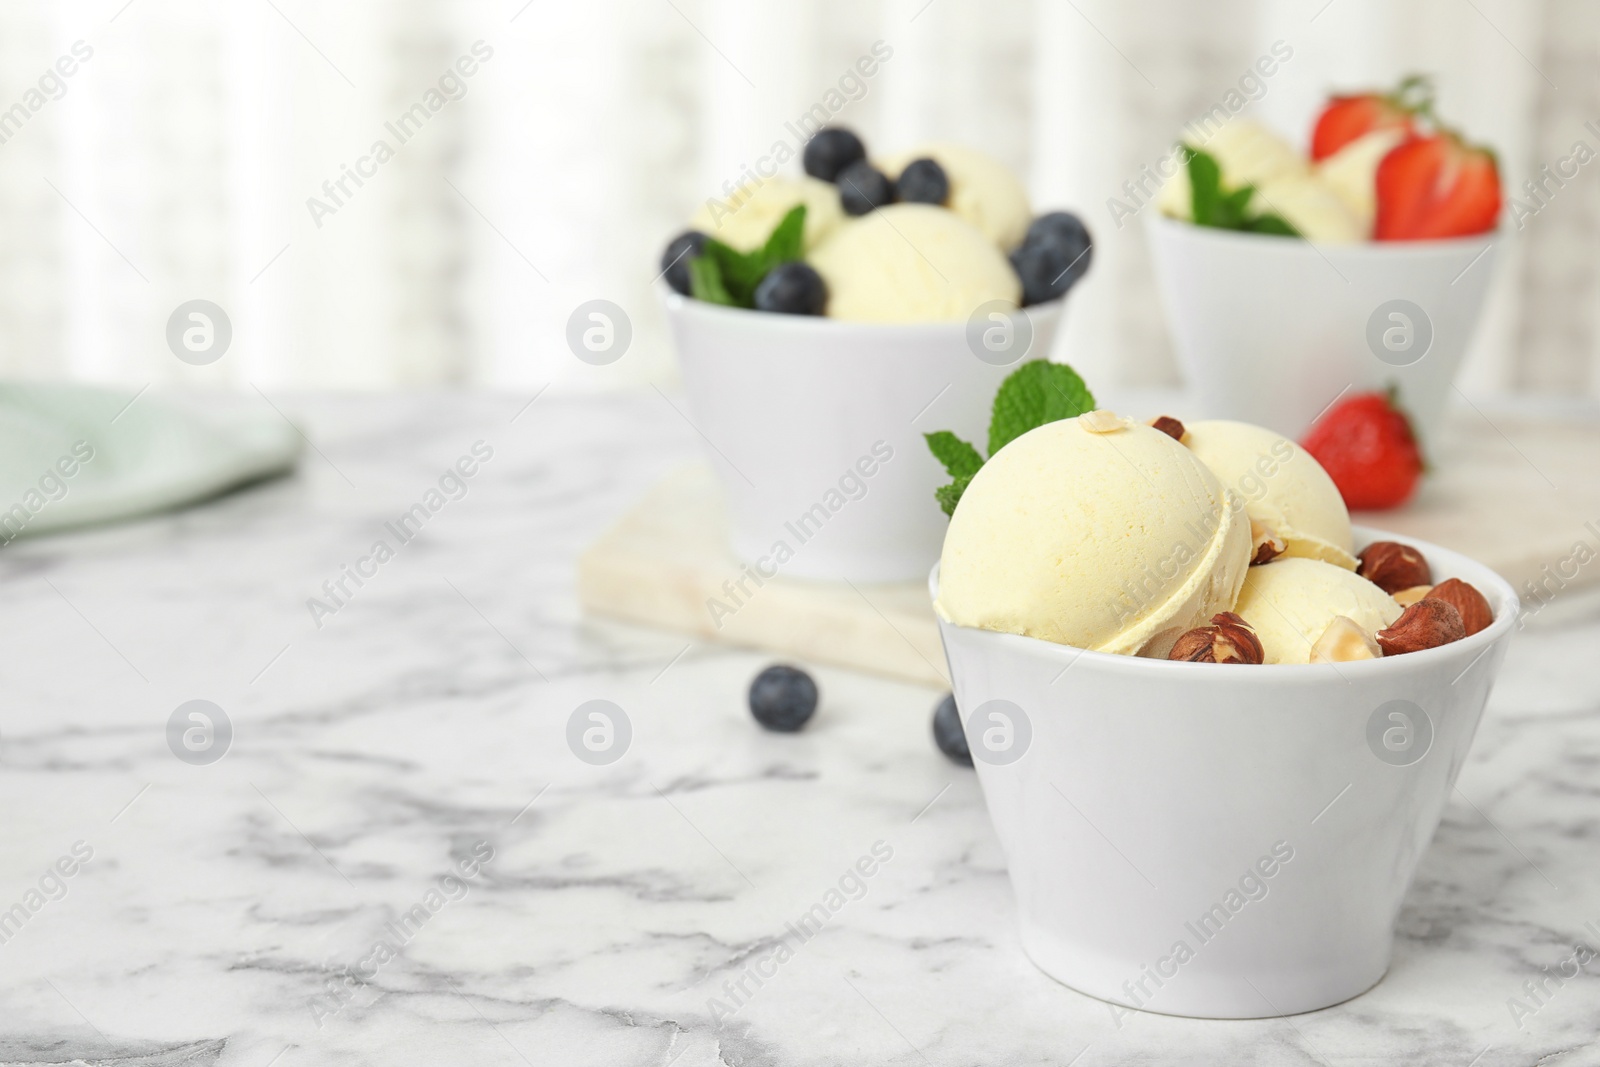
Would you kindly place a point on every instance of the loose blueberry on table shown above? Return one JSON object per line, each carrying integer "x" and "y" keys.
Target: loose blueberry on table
{"x": 948, "y": 734}
{"x": 783, "y": 698}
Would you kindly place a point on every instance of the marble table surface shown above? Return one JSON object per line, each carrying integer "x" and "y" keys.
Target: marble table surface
{"x": 399, "y": 859}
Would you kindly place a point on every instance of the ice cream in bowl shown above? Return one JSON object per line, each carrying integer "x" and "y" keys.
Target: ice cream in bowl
{"x": 1362, "y": 263}
{"x": 822, "y": 322}
{"x": 1215, "y": 726}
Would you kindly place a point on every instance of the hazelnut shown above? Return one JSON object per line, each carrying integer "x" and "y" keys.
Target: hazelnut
{"x": 1102, "y": 421}
{"x": 1407, "y": 597}
{"x": 1169, "y": 426}
{"x": 1266, "y": 544}
{"x": 1229, "y": 639}
{"x": 1391, "y": 566}
{"x": 1428, "y": 623}
{"x": 1474, "y": 608}
{"x": 1344, "y": 641}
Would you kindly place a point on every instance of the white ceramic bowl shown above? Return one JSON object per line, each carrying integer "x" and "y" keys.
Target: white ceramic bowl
{"x": 802, "y": 413}
{"x": 1140, "y": 793}
{"x": 1270, "y": 330}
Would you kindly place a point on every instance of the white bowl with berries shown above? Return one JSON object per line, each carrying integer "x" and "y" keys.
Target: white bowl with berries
{"x": 1398, "y": 219}
{"x": 821, "y": 323}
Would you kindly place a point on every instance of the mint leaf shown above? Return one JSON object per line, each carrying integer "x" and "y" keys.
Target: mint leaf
{"x": 961, "y": 461}
{"x": 1234, "y": 208}
{"x": 787, "y": 241}
{"x": 1205, "y": 187}
{"x": 1274, "y": 224}
{"x": 705, "y": 282}
{"x": 949, "y": 496}
{"x": 959, "y": 458}
{"x": 1036, "y": 393}
{"x": 740, "y": 271}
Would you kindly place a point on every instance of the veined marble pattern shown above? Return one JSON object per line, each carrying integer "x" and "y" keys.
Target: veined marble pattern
{"x": 222, "y": 904}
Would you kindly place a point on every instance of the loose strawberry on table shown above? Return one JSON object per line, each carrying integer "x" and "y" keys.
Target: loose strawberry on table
{"x": 1368, "y": 448}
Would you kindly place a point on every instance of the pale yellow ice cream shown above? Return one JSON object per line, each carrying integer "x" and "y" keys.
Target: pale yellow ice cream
{"x": 1291, "y": 602}
{"x": 1311, "y": 206}
{"x": 745, "y": 220}
{"x": 1246, "y": 152}
{"x": 1352, "y": 173}
{"x": 1280, "y": 486}
{"x": 982, "y": 190}
{"x": 1114, "y": 542}
{"x": 912, "y": 263}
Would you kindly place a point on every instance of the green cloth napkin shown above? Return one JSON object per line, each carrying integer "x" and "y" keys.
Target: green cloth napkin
{"x": 72, "y": 455}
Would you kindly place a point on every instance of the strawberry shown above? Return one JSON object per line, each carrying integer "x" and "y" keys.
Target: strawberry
{"x": 1366, "y": 445}
{"x": 1346, "y": 118}
{"x": 1436, "y": 186}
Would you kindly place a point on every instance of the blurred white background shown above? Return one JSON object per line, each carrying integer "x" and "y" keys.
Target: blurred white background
{"x": 178, "y": 160}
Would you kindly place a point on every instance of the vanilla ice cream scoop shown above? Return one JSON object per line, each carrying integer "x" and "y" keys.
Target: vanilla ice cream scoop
{"x": 746, "y": 219}
{"x": 1291, "y": 603}
{"x": 1246, "y": 152}
{"x": 1352, "y": 173}
{"x": 1116, "y": 541}
{"x": 1312, "y": 206}
{"x": 912, "y": 263}
{"x": 982, "y": 190}
{"x": 1280, "y": 486}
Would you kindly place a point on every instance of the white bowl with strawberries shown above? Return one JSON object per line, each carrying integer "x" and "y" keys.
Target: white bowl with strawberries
{"x": 1396, "y": 216}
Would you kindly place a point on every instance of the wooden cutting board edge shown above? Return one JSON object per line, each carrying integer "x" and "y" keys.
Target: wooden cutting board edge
{"x": 646, "y": 570}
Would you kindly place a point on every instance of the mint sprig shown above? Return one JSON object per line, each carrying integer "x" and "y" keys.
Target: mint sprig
{"x": 1032, "y": 395}
{"x": 1035, "y": 393}
{"x": 705, "y": 281}
{"x": 721, "y": 274}
{"x": 1227, "y": 209}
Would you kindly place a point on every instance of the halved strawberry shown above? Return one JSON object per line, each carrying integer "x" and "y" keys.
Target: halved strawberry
{"x": 1347, "y": 118}
{"x": 1366, "y": 445}
{"x": 1436, "y": 186}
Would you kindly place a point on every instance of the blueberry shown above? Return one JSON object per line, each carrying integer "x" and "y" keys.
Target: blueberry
{"x": 792, "y": 288}
{"x": 675, "y": 258}
{"x": 832, "y": 149}
{"x": 1047, "y": 271}
{"x": 947, "y": 732}
{"x": 863, "y": 187}
{"x": 1041, "y": 271}
{"x": 1060, "y": 229}
{"x": 1056, "y": 253}
{"x": 783, "y": 698}
{"x": 923, "y": 182}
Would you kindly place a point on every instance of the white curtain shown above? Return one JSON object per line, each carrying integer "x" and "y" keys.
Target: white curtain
{"x": 177, "y": 162}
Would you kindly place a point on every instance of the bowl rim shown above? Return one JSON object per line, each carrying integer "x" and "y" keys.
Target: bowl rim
{"x": 1474, "y": 244}
{"x": 1494, "y": 587}
{"x": 678, "y": 304}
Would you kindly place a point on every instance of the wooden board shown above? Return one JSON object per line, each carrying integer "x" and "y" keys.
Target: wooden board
{"x": 1516, "y": 493}
{"x": 668, "y": 558}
